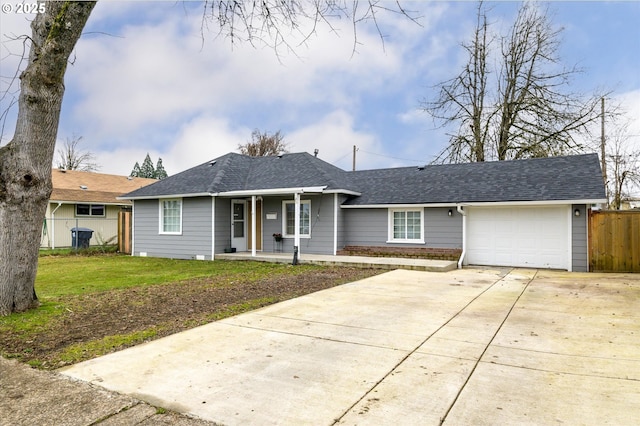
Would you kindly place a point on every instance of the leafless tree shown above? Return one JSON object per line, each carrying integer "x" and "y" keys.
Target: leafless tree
{"x": 26, "y": 161}
{"x": 71, "y": 157}
{"x": 623, "y": 165}
{"x": 264, "y": 144}
{"x": 520, "y": 109}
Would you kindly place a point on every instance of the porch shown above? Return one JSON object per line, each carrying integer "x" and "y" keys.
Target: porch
{"x": 352, "y": 261}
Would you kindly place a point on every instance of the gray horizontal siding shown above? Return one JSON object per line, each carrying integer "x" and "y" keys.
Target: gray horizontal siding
{"x": 579, "y": 239}
{"x": 196, "y": 230}
{"x": 321, "y": 241}
{"x": 442, "y": 230}
{"x": 223, "y": 225}
{"x": 369, "y": 227}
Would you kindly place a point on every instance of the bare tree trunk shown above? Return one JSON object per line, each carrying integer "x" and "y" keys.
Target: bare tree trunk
{"x": 25, "y": 162}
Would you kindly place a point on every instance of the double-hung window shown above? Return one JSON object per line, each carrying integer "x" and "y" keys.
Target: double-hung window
{"x": 406, "y": 226}
{"x": 289, "y": 218}
{"x": 171, "y": 216}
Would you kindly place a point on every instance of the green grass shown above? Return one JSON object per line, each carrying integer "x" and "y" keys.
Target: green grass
{"x": 61, "y": 278}
{"x": 75, "y": 275}
{"x": 71, "y": 285}
{"x": 86, "y": 350}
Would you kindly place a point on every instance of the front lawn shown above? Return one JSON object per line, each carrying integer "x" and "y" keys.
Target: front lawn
{"x": 92, "y": 305}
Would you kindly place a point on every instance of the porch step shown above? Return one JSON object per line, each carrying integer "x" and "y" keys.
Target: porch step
{"x": 388, "y": 263}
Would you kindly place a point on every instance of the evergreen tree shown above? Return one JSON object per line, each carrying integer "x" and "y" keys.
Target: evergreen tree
{"x": 161, "y": 173}
{"x": 136, "y": 170}
{"x": 147, "y": 170}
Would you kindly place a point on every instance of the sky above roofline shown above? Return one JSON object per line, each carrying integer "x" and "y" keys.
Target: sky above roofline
{"x": 144, "y": 79}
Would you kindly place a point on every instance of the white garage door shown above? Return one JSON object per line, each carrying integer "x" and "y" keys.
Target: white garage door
{"x": 533, "y": 237}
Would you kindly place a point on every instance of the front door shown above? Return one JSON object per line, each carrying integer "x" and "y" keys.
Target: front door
{"x": 239, "y": 225}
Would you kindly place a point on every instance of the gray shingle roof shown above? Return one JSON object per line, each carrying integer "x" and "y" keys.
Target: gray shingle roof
{"x": 235, "y": 172}
{"x": 546, "y": 179}
{"x": 542, "y": 179}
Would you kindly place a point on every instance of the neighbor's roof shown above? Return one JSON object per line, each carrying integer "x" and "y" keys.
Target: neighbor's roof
{"x": 89, "y": 187}
{"x": 575, "y": 177}
{"x": 236, "y": 172}
{"x": 545, "y": 179}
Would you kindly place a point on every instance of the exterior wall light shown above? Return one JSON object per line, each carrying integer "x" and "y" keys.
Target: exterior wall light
{"x": 450, "y": 213}
{"x": 576, "y": 212}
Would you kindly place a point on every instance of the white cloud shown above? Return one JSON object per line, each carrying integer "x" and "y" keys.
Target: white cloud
{"x": 334, "y": 136}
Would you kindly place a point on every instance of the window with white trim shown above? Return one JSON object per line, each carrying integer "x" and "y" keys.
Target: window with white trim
{"x": 289, "y": 217}
{"x": 406, "y": 225}
{"x": 171, "y": 216}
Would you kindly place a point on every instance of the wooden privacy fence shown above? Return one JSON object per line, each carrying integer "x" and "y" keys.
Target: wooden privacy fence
{"x": 125, "y": 229}
{"x": 614, "y": 241}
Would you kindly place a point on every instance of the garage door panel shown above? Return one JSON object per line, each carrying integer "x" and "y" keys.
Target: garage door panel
{"x": 534, "y": 237}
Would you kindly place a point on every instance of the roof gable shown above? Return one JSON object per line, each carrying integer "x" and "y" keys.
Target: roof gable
{"x": 90, "y": 187}
{"x": 236, "y": 172}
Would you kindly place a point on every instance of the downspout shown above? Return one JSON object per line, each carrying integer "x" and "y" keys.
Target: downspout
{"x": 53, "y": 226}
{"x": 464, "y": 234}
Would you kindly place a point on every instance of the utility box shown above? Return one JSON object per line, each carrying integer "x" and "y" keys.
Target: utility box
{"x": 80, "y": 237}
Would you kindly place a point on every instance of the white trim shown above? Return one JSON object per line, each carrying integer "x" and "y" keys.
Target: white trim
{"x": 161, "y": 230}
{"x": 273, "y": 191}
{"x": 53, "y": 226}
{"x": 213, "y": 228}
{"x": 169, "y": 196}
{"x": 473, "y": 204}
{"x": 464, "y": 235}
{"x": 296, "y": 222}
{"x": 245, "y": 229}
{"x": 570, "y": 232}
{"x": 242, "y": 193}
{"x": 284, "y": 219}
{"x": 90, "y": 202}
{"x": 391, "y": 239}
{"x": 342, "y": 191}
{"x": 335, "y": 223}
{"x": 253, "y": 226}
{"x": 133, "y": 229}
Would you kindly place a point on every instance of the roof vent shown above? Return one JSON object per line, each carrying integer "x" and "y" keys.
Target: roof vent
{"x": 212, "y": 162}
{"x": 421, "y": 167}
{"x": 129, "y": 177}
{"x": 83, "y": 187}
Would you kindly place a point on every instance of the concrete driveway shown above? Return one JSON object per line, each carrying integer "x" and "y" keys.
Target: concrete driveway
{"x": 467, "y": 347}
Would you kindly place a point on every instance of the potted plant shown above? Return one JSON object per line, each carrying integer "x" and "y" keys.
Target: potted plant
{"x": 277, "y": 236}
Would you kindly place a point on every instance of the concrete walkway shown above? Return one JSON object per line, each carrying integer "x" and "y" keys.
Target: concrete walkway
{"x": 469, "y": 347}
{"x": 390, "y": 263}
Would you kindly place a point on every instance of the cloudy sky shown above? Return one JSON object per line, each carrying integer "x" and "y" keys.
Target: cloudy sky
{"x": 146, "y": 78}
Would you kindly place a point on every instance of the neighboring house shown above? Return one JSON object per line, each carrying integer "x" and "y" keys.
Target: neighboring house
{"x": 529, "y": 213}
{"x": 85, "y": 200}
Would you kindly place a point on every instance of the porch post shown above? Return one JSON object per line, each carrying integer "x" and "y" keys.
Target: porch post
{"x": 335, "y": 224}
{"x": 253, "y": 226}
{"x": 296, "y": 233}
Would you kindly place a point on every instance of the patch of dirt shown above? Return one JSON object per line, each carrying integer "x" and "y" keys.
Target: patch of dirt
{"x": 165, "y": 308}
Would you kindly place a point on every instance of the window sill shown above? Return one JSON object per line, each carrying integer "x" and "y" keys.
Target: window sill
{"x": 170, "y": 233}
{"x": 290, "y": 237}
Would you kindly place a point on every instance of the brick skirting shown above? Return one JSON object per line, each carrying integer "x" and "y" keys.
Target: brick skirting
{"x": 404, "y": 252}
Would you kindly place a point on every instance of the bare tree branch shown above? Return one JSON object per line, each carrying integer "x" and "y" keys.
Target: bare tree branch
{"x": 530, "y": 112}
